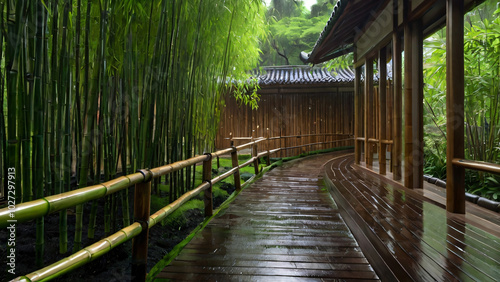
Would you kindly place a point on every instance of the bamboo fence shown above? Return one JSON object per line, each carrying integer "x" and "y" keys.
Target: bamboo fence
{"x": 142, "y": 180}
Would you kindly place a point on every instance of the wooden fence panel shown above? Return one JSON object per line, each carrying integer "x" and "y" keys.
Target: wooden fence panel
{"x": 292, "y": 111}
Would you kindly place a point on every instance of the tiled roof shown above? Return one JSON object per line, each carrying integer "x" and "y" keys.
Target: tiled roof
{"x": 302, "y": 75}
{"x": 337, "y": 38}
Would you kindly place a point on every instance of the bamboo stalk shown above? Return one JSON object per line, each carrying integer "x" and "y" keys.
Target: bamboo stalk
{"x": 87, "y": 145}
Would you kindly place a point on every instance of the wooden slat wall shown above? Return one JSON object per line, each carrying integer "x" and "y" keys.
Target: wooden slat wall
{"x": 287, "y": 111}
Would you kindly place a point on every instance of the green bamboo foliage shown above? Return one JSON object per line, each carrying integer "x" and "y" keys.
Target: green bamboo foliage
{"x": 95, "y": 89}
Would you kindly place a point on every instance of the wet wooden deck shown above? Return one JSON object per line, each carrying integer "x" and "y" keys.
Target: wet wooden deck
{"x": 409, "y": 236}
{"x": 284, "y": 227}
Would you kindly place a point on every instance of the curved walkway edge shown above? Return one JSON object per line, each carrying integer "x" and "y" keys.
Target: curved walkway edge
{"x": 407, "y": 236}
{"x": 283, "y": 227}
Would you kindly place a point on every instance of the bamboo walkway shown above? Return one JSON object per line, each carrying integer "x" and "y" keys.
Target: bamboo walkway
{"x": 284, "y": 227}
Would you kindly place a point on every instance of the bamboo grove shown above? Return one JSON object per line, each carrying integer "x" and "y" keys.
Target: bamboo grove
{"x": 92, "y": 89}
{"x": 482, "y": 98}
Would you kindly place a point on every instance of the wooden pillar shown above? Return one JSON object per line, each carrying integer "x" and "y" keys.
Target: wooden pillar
{"x": 268, "y": 159}
{"x": 368, "y": 111}
{"x": 357, "y": 115}
{"x": 234, "y": 162}
{"x": 397, "y": 147}
{"x": 417, "y": 104}
{"x": 382, "y": 123}
{"x": 256, "y": 161}
{"x": 207, "y": 177}
{"x": 408, "y": 106}
{"x": 142, "y": 199}
{"x": 455, "y": 188}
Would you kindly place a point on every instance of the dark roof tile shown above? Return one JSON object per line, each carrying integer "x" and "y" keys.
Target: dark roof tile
{"x": 302, "y": 75}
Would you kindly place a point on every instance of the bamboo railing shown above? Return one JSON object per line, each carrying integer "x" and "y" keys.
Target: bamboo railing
{"x": 142, "y": 197}
{"x": 477, "y": 165}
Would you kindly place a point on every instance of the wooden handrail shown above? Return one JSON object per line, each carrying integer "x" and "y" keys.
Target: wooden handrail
{"x": 318, "y": 143}
{"x": 292, "y": 136}
{"x": 41, "y": 207}
{"x": 319, "y": 134}
{"x": 477, "y": 165}
{"x": 375, "y": 140}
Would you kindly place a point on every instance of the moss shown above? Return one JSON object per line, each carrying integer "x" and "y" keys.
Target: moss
{"x": 218, "y": 192}
{"x": 178, "y": 219}
{"x": 158, "y": 202}
{"x": 244, "y": 158}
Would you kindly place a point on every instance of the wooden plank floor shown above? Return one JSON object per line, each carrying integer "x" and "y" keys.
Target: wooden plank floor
{"x": 413, "y": 236}
{"x": 284, "y": 227}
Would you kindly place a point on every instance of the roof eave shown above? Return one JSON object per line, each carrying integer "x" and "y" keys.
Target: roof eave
{"x": 336, "y": 13}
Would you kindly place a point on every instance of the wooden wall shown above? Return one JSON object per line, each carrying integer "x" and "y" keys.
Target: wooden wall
{"x": 291, "y": 111}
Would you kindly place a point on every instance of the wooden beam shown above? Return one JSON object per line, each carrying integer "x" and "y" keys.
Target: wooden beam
{"x": 357, "y": 117}
{"x": 455, "y": 188}
{"x": 408, "y": 106}
{"x": 142, "y": 200}
{"x": 382, "y": 123}
{"x": 207, "y": 177}
{"x": 368, "y": 111}
{"x": 417, "y": 110}
{"x": 398, "y": 102}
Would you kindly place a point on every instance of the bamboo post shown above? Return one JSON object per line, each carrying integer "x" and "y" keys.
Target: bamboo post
{"x": 455, "y": 188}
{"x": 397, "y": 108}
{"x": 207, "y": 177}
{"x": 256, "y": 161}
{"x": 142, "y": 199}
{"x": 236, "y": 175}
{"x": 268, "y": 160}
{"x": 382, "y": 115}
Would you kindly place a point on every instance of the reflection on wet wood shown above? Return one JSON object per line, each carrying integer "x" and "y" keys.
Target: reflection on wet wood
{"x": 416, "y": 238}
{"x": 285, "y": 226}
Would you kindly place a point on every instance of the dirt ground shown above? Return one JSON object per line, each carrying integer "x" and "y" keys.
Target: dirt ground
{"x": 113, "y": 266}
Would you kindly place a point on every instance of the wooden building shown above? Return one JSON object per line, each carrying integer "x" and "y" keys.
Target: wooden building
{"x": 378, "y": 31}
{"x": 309, "y": 105}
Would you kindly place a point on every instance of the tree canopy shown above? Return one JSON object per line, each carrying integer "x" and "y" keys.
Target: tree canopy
{"x": 292, "y": 29}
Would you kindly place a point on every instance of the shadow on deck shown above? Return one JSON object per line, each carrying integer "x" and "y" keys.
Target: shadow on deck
{"x": 286, "y": 226}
